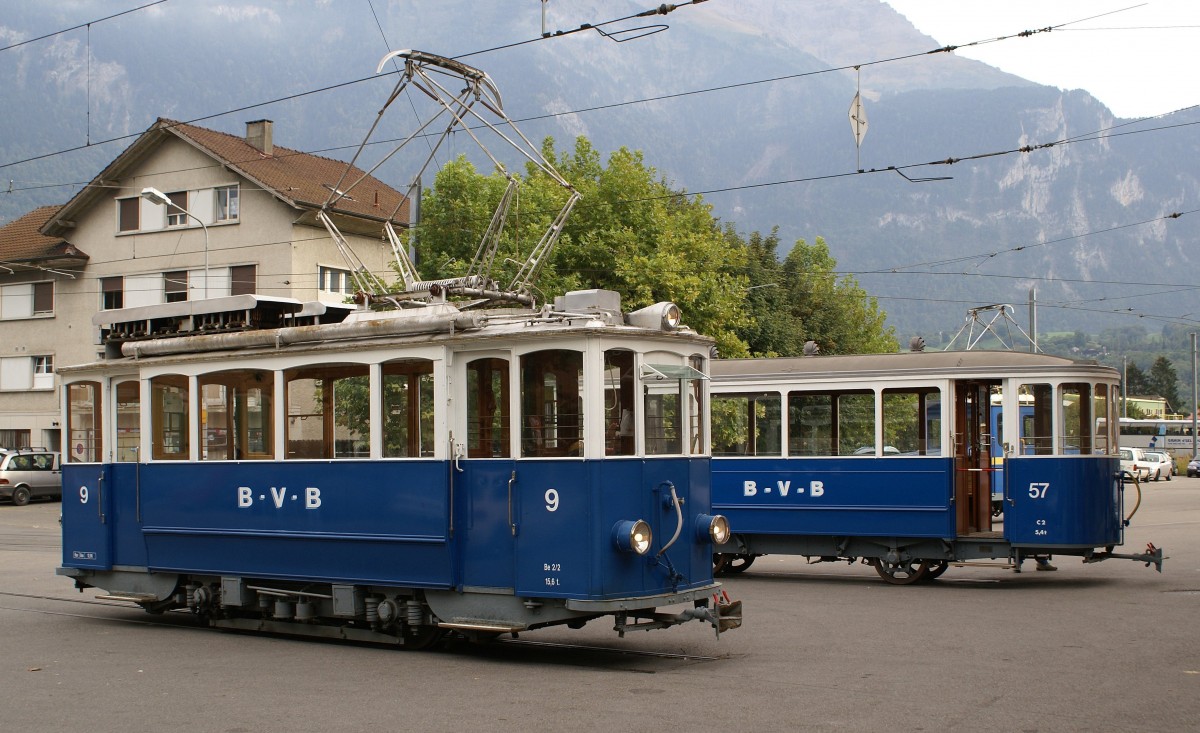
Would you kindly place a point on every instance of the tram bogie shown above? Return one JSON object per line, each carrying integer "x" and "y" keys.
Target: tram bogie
{"x": 896, "y": 460}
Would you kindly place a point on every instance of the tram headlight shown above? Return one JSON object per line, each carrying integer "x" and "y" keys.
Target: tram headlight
{"x": 664, "y": 316}
{"x": 633, "y": 536}
{"x": 713, "y": 527}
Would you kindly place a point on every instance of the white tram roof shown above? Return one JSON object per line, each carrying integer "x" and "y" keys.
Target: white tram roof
{"x": 956, "y": 364}
{"x": 439, "y": 323}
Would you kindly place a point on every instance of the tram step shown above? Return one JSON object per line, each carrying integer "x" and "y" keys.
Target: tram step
{"x": 464, "y": 624}
{"x": 128, "y": 597}
{"x": 974, "y": 564}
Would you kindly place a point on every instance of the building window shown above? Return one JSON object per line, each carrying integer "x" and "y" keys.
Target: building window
{"x": 227, "y": 203}
{"x": 43, "y": 372}
{"x": 243, "y": 280}
{"x": 128, "y": 213}
{"x": 175, "y": 217}
{"x": 333, "y": 280}
{"x": 43, "y": 298}
{"x": 23, "y": 373}
{"x": 26, "y": 300}
{"x": 14, "y": 439}
{"x": 112, "y": 293}
{"x": 175, "y": 286}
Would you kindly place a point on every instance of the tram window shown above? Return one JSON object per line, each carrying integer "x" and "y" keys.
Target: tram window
{"x": 662, "y": 417}
{"x": 619, "y": 396}
{"x": 552, "y": 403}
{"x": 129, "y": 420}
{"x": 810, "y": 424}
{"x": 747, "y": 424}
{"x": 1101, "y": 419}
{"x": 83, "y": 422}
{"x": 912, "y": 422}
{"x": 408, "y": 409}
{"x": 831, "y": 423}
{"x": 236, "y": 419}
{"x": 328, "y": 411}
{"x": 169, "y": 418}
{"x": 487, "y": 409}
{"x": 696, "y": 407}
{"x": 1036, "y": 401}
{"x": 1076, "y": 401}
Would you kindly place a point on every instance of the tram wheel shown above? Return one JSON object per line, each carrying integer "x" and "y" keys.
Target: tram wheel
{"x": 901, "y": 573}
{"x": 725, "y": 563}
{"x": 935, "y": 568}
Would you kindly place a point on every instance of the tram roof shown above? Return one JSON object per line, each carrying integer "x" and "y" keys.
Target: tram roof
{"x": 388, "y": 329}
{"x": 924, "y": 363}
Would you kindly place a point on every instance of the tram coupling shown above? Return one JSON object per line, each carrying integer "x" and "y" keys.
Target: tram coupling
{"x": 724, "y": 615}
{"x": 1152, "y": 556}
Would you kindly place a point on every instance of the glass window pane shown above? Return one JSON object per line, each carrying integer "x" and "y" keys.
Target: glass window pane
{"x": 912, "y": 422}
{"x": 408, "y": 409}
{"x": 747, "y": 424}
{"x": 810, "y": 424}
{"x": 619, "y": 396}
{"x": 129, "y": 420}
{"x": 328, "y": 412}
{"x": 696, "y": 408}
{"x": 552, "y": 403}
{"x": 1076, "y": 401}
{"x": 83, "y": 422}
{"x": 1036, "y": 434}
{"x": 169, "y": 418}
{"x": 487, "y": 409}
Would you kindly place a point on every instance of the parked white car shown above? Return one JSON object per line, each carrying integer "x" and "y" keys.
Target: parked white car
{"x": 1133, "y": 462}
{"x": 1161, "y": 465}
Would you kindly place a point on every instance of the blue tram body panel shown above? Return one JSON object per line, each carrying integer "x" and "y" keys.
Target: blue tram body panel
{"x": 88, "y": 518}
{"x": 564, "y": 514}
{"x": 1063, "y": 502}
{"x": 389, "y": 523}
{"x": 347, "y": 521}
{"x": 909, "y": 497}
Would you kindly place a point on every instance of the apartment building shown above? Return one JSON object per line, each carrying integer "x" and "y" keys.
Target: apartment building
{"x": 248, "y": 224}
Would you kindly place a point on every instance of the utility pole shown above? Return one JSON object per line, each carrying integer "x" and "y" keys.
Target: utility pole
{"x": 1124, "y": 386}
{"x": 1195, "y": 398}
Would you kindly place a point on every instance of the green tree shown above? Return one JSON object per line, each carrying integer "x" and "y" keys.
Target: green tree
{"x": 831, "y": 310}
{"x": 633, "y": 233}
{"x": 770, "y": 329}
{"x": 630, "y": 233}
{"x": 1164, "y": 382}
{"x": 1136, "y": 381}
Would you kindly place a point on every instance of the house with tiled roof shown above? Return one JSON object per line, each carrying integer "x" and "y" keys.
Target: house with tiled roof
{"x": 243, "y": 219}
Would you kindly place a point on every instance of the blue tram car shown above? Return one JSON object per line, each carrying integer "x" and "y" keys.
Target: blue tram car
{"x": 895, "y": 459}
{"x": 394, "y": 476}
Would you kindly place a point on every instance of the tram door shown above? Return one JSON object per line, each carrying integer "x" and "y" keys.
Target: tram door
{"x": 482, "y": 479}
{"x": 973, "y": 456}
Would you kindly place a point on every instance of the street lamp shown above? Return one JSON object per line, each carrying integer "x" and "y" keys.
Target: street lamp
{"x": 154, "y": 196}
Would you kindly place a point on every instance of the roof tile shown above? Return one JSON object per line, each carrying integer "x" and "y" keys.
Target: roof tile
{"x": 303, "y": 178}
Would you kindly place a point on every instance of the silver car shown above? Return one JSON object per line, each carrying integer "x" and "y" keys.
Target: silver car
{"x": 1161, "y": 465}
{"x": 1134, "y": 463}
{"x": 30, "y": 473}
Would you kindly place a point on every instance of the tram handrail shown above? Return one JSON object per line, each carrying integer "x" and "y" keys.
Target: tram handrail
{"x": 1137, "y": 485}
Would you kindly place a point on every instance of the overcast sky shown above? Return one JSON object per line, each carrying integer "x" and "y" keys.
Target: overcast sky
{"x": 1140, "y": 61}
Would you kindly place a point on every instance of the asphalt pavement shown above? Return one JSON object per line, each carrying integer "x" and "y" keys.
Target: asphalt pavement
{"x": 1112, "y": 646}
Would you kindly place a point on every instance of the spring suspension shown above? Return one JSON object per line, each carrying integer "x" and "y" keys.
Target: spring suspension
{"x": 415, "y": 613}
{"x": 372, "y": 609}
